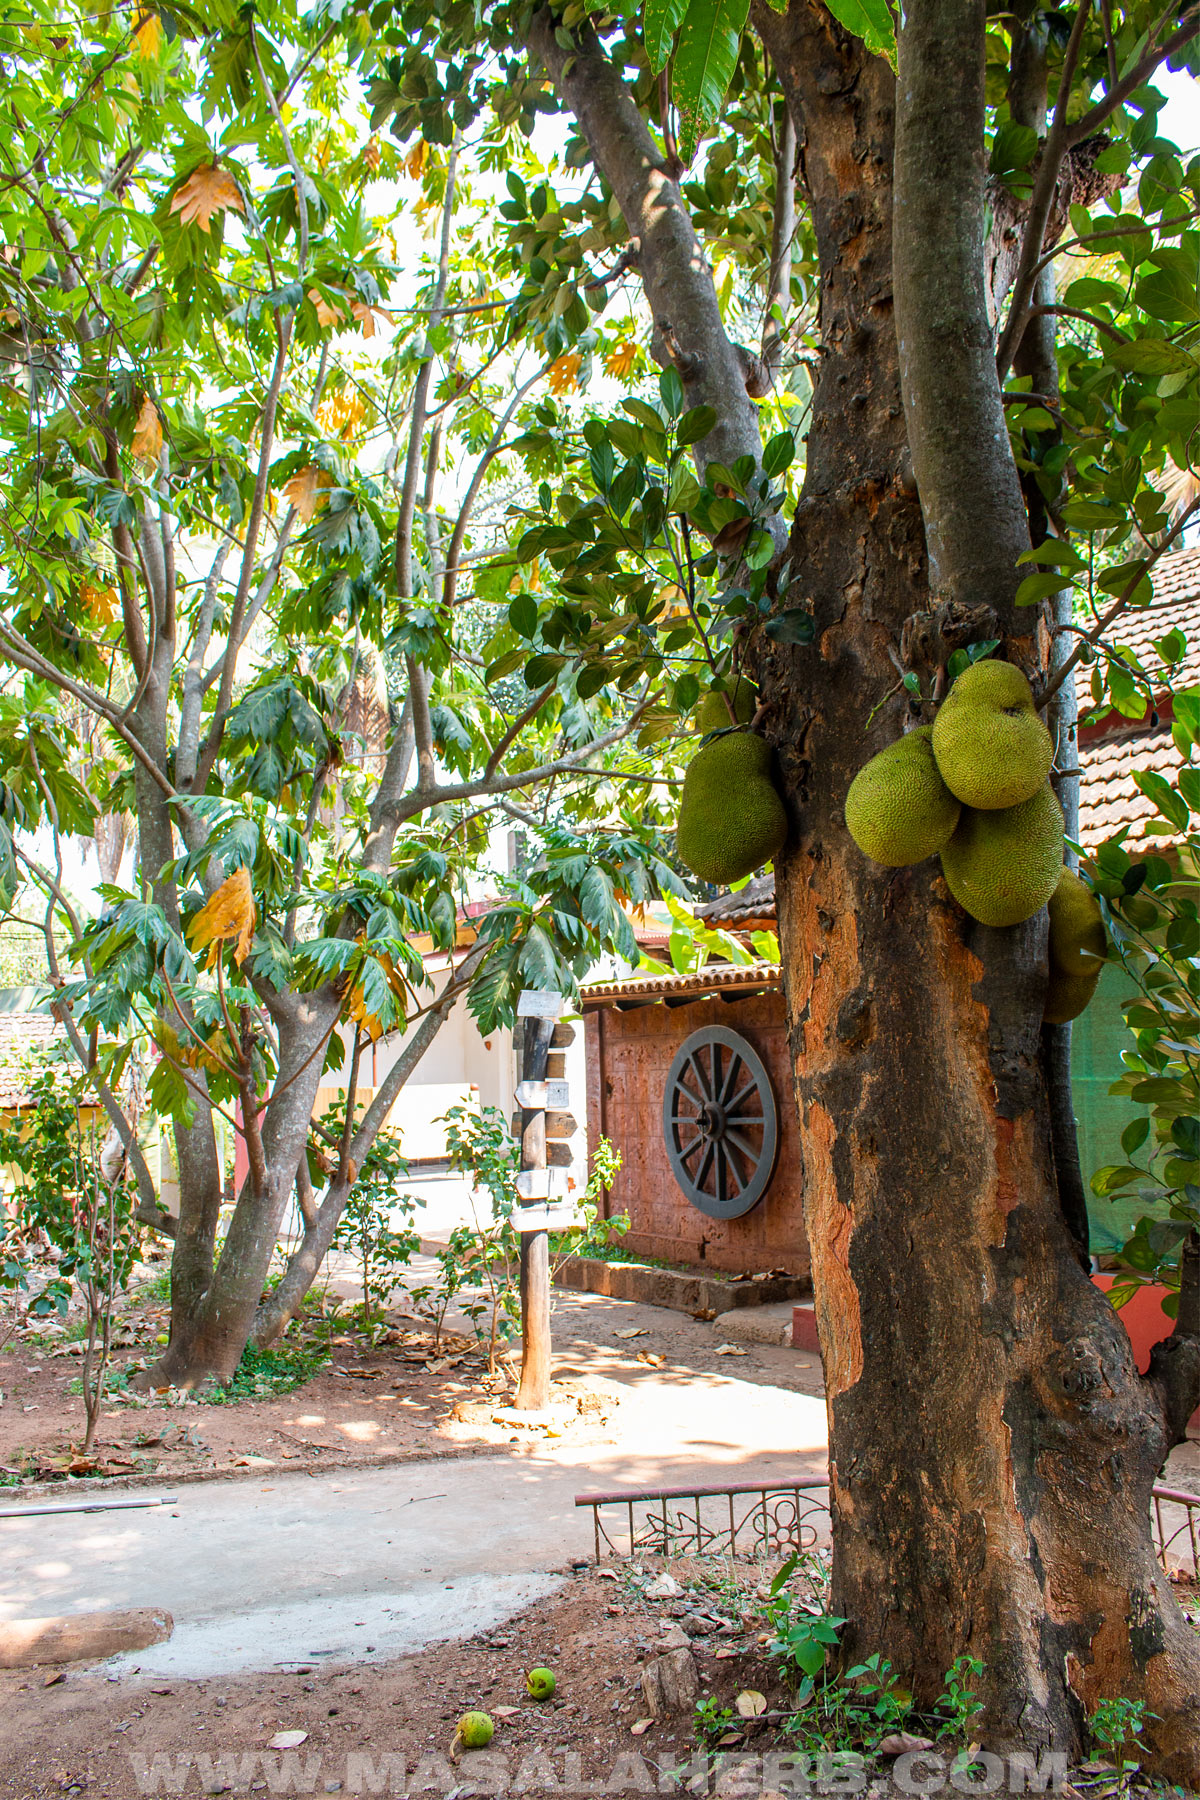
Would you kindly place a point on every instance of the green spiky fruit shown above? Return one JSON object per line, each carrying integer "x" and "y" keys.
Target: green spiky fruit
{"x": 1077, "y": 948}
{"x": 541, "y": 1684}
{"x": 712, "y": 714}
{"x": 731, "y": 820}
{"x": 475, "y": 1730}
{"x": 899, "y": 810}
{"x": 1003, "y": 866}
{"x": 992, "y": 749}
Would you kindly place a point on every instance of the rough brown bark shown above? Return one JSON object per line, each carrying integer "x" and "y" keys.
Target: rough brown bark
{"x": 992, "y": 1446}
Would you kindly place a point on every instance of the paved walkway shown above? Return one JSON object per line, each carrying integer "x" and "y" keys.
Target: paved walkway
{"x": 373, "y": 1563}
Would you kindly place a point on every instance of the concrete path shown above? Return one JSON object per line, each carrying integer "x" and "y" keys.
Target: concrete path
{"x": 377, "y": 1562}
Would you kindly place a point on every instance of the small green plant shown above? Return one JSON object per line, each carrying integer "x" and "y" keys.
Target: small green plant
{"x": 804, "y": 1635}
{"x": 1117, "y": 1723}
{"x": 277, "y": 1371}
{"x": 712, "y": 1721}
{"x": 66, "y": 1193}
{"x": 957, "y": 1705}
{"x": 478, "y": 1269}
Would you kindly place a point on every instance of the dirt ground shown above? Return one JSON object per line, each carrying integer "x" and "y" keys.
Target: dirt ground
{"x": 404, "y": 1396}
{"x": 87, "y": 1734}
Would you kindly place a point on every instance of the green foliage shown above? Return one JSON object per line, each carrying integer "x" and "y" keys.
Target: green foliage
{"x": 1117, "y": 1724}
{"x": 958, "y": 1705}
{"x": 366, "y": 1230}
{"x": 274, "y": 1371}
{"x": 1152, "y": 916}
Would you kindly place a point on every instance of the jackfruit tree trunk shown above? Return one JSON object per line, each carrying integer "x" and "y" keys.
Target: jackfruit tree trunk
{"x": 992, "y": 1447}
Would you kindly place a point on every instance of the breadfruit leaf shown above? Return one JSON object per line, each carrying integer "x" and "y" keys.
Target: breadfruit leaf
{"x": 705, "y": 56}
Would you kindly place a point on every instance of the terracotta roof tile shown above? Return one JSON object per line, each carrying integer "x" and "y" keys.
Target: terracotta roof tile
{"x": 716, "y": 978}
{"x": 1110, "y": 798}
{"x": 1176, "y": 602}
{"x": 21, "y": 1033}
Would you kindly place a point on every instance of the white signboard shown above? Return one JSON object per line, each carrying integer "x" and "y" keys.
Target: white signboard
{"x": 532, "y": 1094}
{"x": 540, "y": 1003}
{"x": 533, "y": 1184}
{"x": 558, "y": 1095}
{"x": 555, "y": 1215}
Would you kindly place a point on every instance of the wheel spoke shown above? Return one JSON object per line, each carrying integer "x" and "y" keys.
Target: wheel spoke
{"x": 735, "y": 1063}
{"x": 685, "y": 1150}
{"x": 734, "y": 1167}
{"x": 748, "y": 1151}
{"x": 751, "y": 1087}
{"x": 702, "y": 1171}
{"x": 693, "y": 1063}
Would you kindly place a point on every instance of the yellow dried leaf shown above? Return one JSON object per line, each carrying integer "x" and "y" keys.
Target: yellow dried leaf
{"x": 206, "y": 191}
{"x": 147, "y": 37}
{"x": 621, "y": 358}
{"x": 367, "y": 315}
{"x": 147, "y": 433}
{"x": 750, "y": 1703}
{"x": 327, "y": 314}
{"x": 307, "y": 490}
{"x": 229, "y": 917}
{"x": 563, "y": 374}
{"x": 366, "y": 1021}
{"x": 371, "y": 153}
{"x": 100, "y": 603}
{"x": 414, "y": 162}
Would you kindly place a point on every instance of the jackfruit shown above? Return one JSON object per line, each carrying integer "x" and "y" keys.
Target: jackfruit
{"x": 1077, "y": 948}
{"x": 992, "y": 749}
{"x": 1002, "y": 865}
{"x": 899, "y": 810}
{"x": 712, "y": 714}
{"x": 731, "y": 820}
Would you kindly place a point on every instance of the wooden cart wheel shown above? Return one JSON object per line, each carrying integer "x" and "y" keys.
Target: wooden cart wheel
{"x": 719, "y": 1123}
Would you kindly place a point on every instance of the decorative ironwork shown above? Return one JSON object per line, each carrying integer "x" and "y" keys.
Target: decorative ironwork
{"x": 720, "y": 1123}
{"x": 1177, "y": 1530}
{"x": 770, "y": 1519}
{"x": 751, "y": 1519}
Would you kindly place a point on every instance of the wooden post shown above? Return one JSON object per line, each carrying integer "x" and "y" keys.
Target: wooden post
{"x": 534, "y": 1391}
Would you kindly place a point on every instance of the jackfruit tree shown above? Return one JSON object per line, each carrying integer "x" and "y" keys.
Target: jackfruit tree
{"x": 894, "y": 347}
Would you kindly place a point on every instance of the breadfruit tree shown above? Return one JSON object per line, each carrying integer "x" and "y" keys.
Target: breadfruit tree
{"x": 966, "y": 291}
{"x": 923, "y": 350}
{"x": 249, "y": 620}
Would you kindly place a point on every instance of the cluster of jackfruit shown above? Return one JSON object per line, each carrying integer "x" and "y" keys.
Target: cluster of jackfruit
{"x": 731, "y": 819}
{"x": 1077, "y": 948}
{"x": 972, "y": 787}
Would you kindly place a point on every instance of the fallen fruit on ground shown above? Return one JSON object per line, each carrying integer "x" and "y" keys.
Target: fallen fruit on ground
{"x": 475, "y": 1730}
{"x": 731, "y": 820}
{"x": 899, "y": 810}
{"x": 1077, "y": 949}
{"x": 541, "y": 1683}
{"x": 991, "y": 747}
{"x": 1003, "y": 866}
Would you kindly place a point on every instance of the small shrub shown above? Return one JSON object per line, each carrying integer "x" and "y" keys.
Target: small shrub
{"x": 263, "y": 1372}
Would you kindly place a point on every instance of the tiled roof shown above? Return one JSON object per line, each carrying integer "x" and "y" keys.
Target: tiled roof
{"x": 716, "y": 978}
{"x": 753, "y": 902}
{"x": 20, "y": 1033}
{"x": 1108, "y": 795}
{"x": 1176, "y": 582}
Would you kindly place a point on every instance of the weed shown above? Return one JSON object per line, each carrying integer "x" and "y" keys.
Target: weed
{"x": 1118, "y": 1722}
{"x": 263, "y": 1372}
{"x": 957, "y": 1705}
{"x": 713, "y": 1720}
